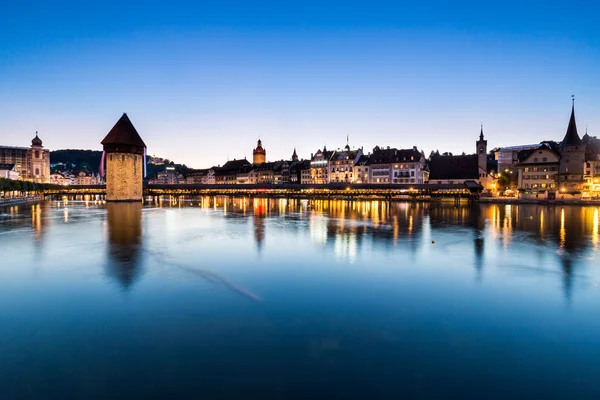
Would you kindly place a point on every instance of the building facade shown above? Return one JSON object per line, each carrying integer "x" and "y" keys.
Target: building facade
{"x": 32, "y": 163}
{"x": 9, "y": 171}
{"x": 393, "y": 166}
{"x": 538, "y": 173}
{"x": 341, "y": 165}
{"x": 319, "y": 166}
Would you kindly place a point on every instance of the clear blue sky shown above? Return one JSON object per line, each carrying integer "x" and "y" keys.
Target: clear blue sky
{"x": 202, "y": 80}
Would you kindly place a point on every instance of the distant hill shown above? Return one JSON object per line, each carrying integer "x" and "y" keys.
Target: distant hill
{"x": 79, "y": 159}
{"x": 74, "y": 160}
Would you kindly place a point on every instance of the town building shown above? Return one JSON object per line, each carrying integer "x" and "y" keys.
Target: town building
{"x": 61, "y": 178}
{"x": 538, "y": 172}
{"x": 361, "y": 170}
{"x": 227, "y": 174}
{"x": 259, "y": 154}
{"x": 341, "y": 165}
{"x": 300, "y": 172}
{"x": 169, "y": 176}
{"x": 393, "y": 166}
{"x": 200, "y": 177}
{"x": 591, "y": 177}
{"x": 9, "y": 171}
{"x": 87, "y": 178}
{"x": 281, "y": 172}
{"x": 508, "y": 158}
{"x": 32, "y": 163}
{"x": 448, "y": 169}
{"x": 319, "y": 166}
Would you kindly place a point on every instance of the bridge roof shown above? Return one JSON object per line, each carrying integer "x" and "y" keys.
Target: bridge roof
{"x": 124, "y": 133}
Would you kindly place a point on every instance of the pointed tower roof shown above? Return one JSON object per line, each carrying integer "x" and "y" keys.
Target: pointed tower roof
{"x": 294, "y": 155}
{"x": 571, "y": 137}
{"x": 481, "y": 134}
{"x": 123, "y": 133}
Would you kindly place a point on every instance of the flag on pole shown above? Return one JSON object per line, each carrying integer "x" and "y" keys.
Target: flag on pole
{"x": 102, "y": 160}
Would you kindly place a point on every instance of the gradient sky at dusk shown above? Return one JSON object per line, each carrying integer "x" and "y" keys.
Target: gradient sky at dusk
{"x": 201, "y": 81}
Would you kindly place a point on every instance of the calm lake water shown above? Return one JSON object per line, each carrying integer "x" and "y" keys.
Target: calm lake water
{"x": 264, "y": 298}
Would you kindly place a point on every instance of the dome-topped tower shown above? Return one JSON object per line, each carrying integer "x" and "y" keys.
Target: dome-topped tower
{"x": 36, "y": 141}
{"x": 259, "y": 154}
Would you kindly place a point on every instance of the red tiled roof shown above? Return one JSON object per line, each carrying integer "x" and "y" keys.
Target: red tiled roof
{"x": 124, "y": 133}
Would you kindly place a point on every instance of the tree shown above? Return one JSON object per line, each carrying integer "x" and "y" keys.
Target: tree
{"x": 503, "y": 181}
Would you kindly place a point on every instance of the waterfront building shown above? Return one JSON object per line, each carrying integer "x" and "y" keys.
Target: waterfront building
{"x": 264, "y": 173}
{"x": 448, "y": 169}
{"x": 281, "y": 172}
{"x": 259, "y": 154}
{"x": 125, "y": 159}
{"x": 227, "y": 174}
{"x": 167, "y": 177}
{"x": 32, "y": 163}
{"x": 305, "y": 172}
{"x": 538, "y": 172}
{"x": 300, "y": 172}
{"x": 9, "y": 171}
{"x": 61, "y": 178}
{"x": 361, "y": 170}
{"x": 85, "y": 177}
{"x": 243, "y": 175}
{"x": 508, "y": 158}
{"x": 393, "y": 166}
{"x": 591, "y": 177}
{"x": 319, "y": 166}
{"x": 572, "y": 160}
{"x": 200, "y": 177}
{"x": 341, "y": 165}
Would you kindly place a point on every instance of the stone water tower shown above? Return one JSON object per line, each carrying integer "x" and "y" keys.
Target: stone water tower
{"x": 124, "y": 150}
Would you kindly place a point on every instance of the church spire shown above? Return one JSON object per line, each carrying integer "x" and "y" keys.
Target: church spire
{"x": 571, "y": 137}
{"x": 481, "y": 134}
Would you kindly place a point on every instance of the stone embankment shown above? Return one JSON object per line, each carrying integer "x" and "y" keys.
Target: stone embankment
{"x": 20, "y": 200}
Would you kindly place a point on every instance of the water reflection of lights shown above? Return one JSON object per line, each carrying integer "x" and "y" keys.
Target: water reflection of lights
{"x": 595, "y": 229}
{"x": 36, "y": 219}
{"x": 345, "y": 246}
{"x": 562, "y": 232}
{"x": 66, "y": 214}
{"x": 318, "y": 229}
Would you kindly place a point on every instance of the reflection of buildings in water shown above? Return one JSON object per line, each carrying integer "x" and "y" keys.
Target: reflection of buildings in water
{"x": 564, "y": 233}
{"x": 567, "y": 273}
{"x": 595, "y": 226}
{"x": 260, "y": 211}
{"x": 124, "y": 241}
{"x": 345, "y": 225}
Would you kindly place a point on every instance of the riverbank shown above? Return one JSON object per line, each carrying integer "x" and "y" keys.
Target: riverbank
{"x": 558, "y": 202}
{"x": 20, "y": 200}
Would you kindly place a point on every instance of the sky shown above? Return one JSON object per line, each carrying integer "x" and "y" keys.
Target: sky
{"x": 201, "y": 81}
